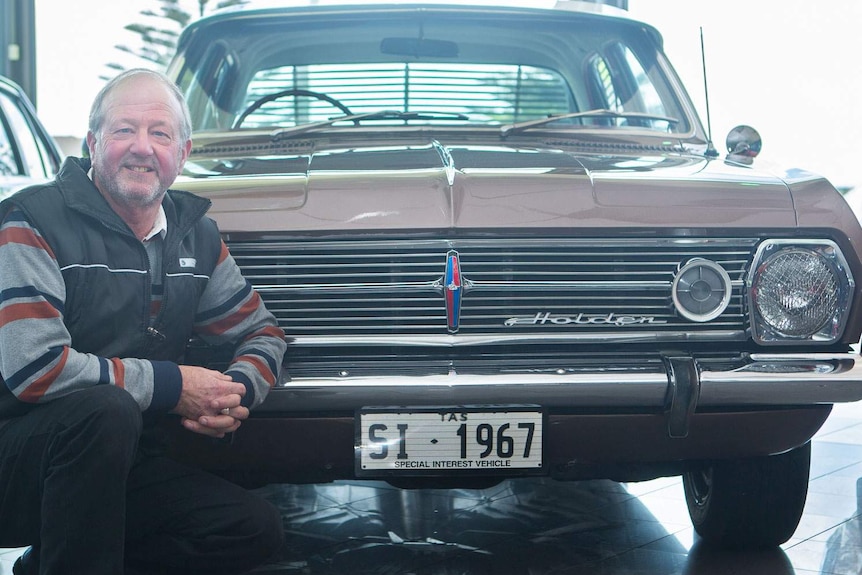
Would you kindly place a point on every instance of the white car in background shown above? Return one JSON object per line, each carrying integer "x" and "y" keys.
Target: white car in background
{"x": 28, "y": 154}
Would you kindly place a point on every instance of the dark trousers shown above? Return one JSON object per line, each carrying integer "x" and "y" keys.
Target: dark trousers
{"x": 77, "y": 484}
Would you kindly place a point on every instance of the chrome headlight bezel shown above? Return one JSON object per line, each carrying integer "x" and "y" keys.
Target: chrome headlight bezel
{"x": 830, "y": 326}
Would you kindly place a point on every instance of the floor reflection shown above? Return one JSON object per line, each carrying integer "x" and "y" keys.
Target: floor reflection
{"x": 527, "y": 526}
{"x": 539, "y": 527}
{"x": 844, "y": 546}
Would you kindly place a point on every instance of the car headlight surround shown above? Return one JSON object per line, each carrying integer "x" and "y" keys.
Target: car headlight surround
{"x": 799, "y": 290}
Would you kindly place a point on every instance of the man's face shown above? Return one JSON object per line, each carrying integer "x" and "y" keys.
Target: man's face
{"x": 137, "y": 153}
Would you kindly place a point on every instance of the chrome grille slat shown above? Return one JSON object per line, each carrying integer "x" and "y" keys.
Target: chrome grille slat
{"x": 356, "y": 287}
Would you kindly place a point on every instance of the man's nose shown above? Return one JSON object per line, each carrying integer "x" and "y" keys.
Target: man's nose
{"x": 141, "y": 143}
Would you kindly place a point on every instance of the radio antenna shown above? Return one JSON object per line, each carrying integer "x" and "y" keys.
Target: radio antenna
{"x": 711, "y": 152}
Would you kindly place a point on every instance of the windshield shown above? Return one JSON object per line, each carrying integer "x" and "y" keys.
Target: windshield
{"x": 429, "y": 67}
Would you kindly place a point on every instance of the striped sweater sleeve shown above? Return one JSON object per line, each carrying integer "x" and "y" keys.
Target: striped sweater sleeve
{"x": 37, "y": 360}
{"x": 231, "y": 311}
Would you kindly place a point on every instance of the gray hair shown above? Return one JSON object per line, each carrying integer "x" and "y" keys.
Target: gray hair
{"x": 97, "y": 112}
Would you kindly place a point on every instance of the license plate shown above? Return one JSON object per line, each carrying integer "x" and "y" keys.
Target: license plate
{"x": 447, "y": 440}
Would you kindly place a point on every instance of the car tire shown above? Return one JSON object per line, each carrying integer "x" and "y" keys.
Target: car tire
{"x": 749, "y": 503}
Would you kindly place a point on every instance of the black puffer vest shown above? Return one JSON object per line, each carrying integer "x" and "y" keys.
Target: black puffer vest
{"x": 105, "y": 267}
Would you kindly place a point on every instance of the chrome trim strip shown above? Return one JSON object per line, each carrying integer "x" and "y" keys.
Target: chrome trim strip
{"x": 496, "y": 243}
{"x": 406, "y": 287}
{"x": 462, "y": 340}
{"x": 805, "y": 380}
{"x": 473, "y": 285}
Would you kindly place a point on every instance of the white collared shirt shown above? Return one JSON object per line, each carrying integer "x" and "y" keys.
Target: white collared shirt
{"x": 160, "y": 226}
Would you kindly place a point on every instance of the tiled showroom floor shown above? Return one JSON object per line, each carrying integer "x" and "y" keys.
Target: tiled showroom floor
{"x": 534, "y": 526}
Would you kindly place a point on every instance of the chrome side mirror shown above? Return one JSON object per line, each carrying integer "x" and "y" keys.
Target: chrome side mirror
{"x": 743, "y": 144}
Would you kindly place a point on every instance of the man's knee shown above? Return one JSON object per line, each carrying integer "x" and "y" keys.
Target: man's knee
{"x": 268, "y": 525}
{"x": 104, "y": 416}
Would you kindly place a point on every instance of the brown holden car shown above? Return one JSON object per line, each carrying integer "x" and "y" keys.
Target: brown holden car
{"x": 503, "y": 245}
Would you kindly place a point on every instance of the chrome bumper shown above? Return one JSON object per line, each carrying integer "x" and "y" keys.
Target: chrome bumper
{"x": 768, "y": 380}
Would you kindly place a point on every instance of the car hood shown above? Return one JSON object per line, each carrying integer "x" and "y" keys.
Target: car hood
{"x": 464, "y": 186}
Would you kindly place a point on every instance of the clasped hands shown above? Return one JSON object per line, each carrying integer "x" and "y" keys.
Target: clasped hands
{"x": 210, "y": 402}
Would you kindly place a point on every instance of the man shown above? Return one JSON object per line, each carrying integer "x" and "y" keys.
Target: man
{"x": 104, "y": 276}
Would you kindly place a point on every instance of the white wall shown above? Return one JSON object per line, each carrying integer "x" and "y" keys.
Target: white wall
{"x": 75, "y": 40}
{"x": 789, "y": 68}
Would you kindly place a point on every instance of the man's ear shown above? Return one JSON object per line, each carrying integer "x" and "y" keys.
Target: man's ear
{"x": 91, "y": 142}
{"x": 186, "y": 150}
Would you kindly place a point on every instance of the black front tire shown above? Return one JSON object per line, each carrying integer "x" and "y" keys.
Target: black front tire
{"x": 749, "y": 503}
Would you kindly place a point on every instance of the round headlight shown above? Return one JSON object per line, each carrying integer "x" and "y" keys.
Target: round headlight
{"x": 796, "y": 292}
{"x": 701, "y": 290}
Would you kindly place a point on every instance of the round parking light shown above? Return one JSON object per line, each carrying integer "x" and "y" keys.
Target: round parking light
{"x": 701, "y": 290}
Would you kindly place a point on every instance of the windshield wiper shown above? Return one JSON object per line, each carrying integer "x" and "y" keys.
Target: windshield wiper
{"x": 599, "y": 113}
{"x": 356, "y": 118}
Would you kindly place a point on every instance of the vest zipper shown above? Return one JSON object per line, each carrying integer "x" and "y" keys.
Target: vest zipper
{"x": 156, "y": 334}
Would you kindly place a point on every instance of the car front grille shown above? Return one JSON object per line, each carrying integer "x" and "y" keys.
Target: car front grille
{"x": 395, "y": 290}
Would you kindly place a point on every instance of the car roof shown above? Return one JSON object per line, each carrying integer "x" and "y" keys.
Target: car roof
{"x": 311, "y": 7}
{"x": 570, "y": 5}
{"x": 515, "y": 8}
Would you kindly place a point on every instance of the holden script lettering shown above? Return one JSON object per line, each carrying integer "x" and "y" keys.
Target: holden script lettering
{"x": 546, "y": 318}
